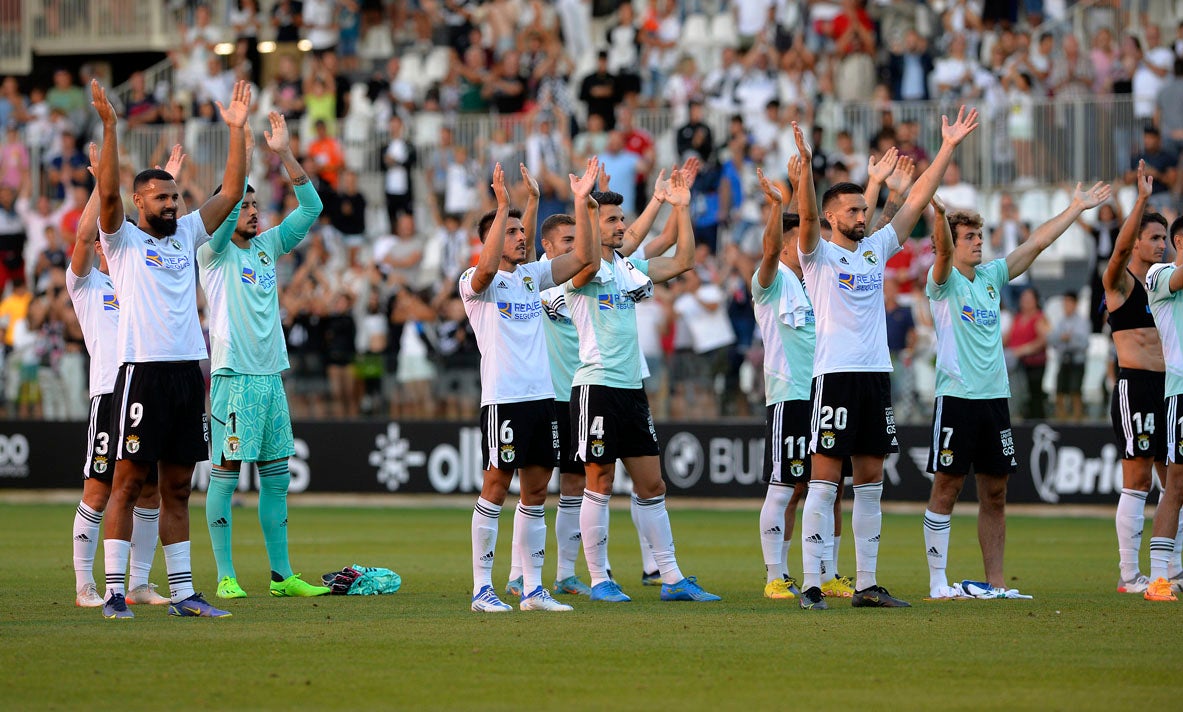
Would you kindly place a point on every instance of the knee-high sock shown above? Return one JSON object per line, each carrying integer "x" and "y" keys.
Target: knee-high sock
{"x": 86, "y": 543}
{"x": 655, "y": 525}
{"x": 867, "y": 523}
{"x": 593, "y": 522}
{"x": 222, "y": 484}
{"x": 648, "y": 564}
{"x": 145, "y": 530}
{"x": 515, "y": 557}
{"x": 484, "y": 542}
{"x": 529, "y": 539}
{"x": 1131, "y": 518}
{"x": 115, "y": 553}
{"x": 936, "y": 547}
{"x": 816, "y": 529}
{"x": 830, "y": 569}
{"x": 1162, "y": 550}
{"x": 772, "y": 535}
{"x": 180, "y": 571}
{"x": 567, "y": 535}
{"x": 274, "y": 479}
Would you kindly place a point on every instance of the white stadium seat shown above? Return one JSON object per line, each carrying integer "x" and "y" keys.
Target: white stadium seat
{"x": 723, "y": 30}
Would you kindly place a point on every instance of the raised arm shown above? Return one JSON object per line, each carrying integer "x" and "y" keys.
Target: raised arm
{"x": 107, "y": 179}
{"x": 1116, "y": 276}
{"x": 490, "y": 259}
{"x": 176, "y": 161}
{"x": 586, "y": 250}
{"x": 636, "y": 234}
{"x": 942, "y": 243}
{"x": 639, "y": 230}
{"x": 878, "y": 171}
{"x": 663, "y": 269}
{"x": 897, "y": 190}
{"x": 926, "y": 186}
{"x": 218, "y": 207}
{"x": 296, "y": 224}
{"x": 82, "y": 261}
{"x": 530, "y": 216}
{"x": 774, "y": 236}
{"x": 806, "y": 194}
{"x": 1021, "y": 258}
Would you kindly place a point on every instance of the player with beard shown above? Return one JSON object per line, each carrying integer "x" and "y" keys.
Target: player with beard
{"x": 971, "y": 428}
{"x": 159, "y": 411}
{"x": 1138, "y": 409}
{"x": 852, "y": 413}
{"x": 609, "y": 410}
{"x": 251, "y": 421}
{"x": 502, "y": 297}
{"x": 97, "y": 306}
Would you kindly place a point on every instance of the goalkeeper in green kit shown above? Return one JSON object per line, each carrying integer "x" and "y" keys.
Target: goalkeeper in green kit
{"x": 249, "y": 407}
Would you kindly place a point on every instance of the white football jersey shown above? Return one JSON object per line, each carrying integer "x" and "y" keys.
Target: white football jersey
{"x": 156, "y": 280}
{"x": 507, "y": 319}
{"x": 97, "y": 307}
{"x": 846, "y": 288}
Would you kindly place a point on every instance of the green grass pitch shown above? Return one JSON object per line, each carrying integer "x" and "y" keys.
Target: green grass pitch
{"x": 1078, "y": 645}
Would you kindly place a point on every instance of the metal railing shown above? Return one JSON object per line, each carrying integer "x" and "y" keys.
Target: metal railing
{"x": 76, "y": 26}
{"x": 16, "y": 56}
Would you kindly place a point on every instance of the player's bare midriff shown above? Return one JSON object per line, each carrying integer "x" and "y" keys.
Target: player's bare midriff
{"x": 1139, "y": 348}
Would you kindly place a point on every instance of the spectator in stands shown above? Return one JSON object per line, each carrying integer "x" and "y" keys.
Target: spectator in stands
{"x": 1104, "y": 234}
{"x": 956, "y": 193}
{"x": 1104, "y": 57}
{"x": 12, "y": 103}
{"x": 591, "y": 142}
{"x": 846, "y": 153}
{"x": 245, "y": 22}
{"x": 399, "y": 159}
{"x": 458, "y": 386}
{"x": 901, "y": 340}
{"x": 601, "y": 91}
{"x": 654, "y": 317}
{"x": 709, "y": 201}
{"x": 910, "y": 65}
{"x": 695, "y": 127}
{"x": 288, "y": 93}
{"x": 1026, "y": 342}
{"x": 1072, "y": 72}
{"x": 320, "y": 25}
{"x": 660, "y": 31}
{"x": 340, "y": 350}
{"x": 348, "y": 211}
{"x": 454, "y": 247}
{"x": 1020, "y": 123}
{"x": 327, "y": 156}
{"x": 953, "y": 74}
{"x": 702, "y": 308}
{"x": 1070, "y": 340}
{"x": 1161, "y": 164}
{"x": 624, "y": 52}
{"x": 622, "y": 166}
{"x": 1149, "y": 74}
{"x": 1168, "y": 112}
{"x": 1005, "y": 236}
{"x": 506, "y": 86}
{"x": 400, "y": 256}
{"x": 14, "y": 158}
{"x": 142, "y": 107}
{"x": 14, "y": 310}
{"x": 286, "y": 18}
{"x": 68, "y": 97}
{"x": 12, "y": 239}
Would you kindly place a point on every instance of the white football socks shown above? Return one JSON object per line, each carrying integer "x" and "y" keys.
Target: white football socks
{"x": 86, "y": 543}
{"x": 1131, "y": 517}
{"x": 115, "y": 553}
{"x": 484, "y": 542}
{"x": 816, "y": 529}
{"x": 936, "y": 547}
{"x": 567, "y": 535}
{"x": 648, "y": 563}
{"x": 593, "y": 522}
{"x": 529, "y": 540}
{"x": 1162, "y": 550}
{"x": 145, "y": 529}
{"x": 867, "y": 524}
{"x": 772, "y": 535}
{"x": 654, "y": 523}
{"x": 180, "y": 572}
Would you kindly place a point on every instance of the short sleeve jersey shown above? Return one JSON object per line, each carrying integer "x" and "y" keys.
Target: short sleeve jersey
{"x": 1167, "y": 308}
{"x": 97, "y": 307}
{"x": 562, "y": 342}
{"x": 788, "y": 329}
{"x": 245, "y": 333}
{"x": 965, "y": 315}
{"x": 606, "y": 319}
{"x": 507, "y": 319}
{"x": 847, "y": 292}
{"x": 156, "y": 280}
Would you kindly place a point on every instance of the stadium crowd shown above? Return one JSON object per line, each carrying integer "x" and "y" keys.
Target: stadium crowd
{"x": 373, "y": 321}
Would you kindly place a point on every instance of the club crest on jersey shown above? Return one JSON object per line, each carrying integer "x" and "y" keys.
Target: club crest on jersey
{"x": 233, "y": 444}
{"x": 797, "y": 468}
{"x": 110, "y": 302}
{"x": 1143, "y": 441}
{"x": 176, "y": 245}
{"x": 100, "y": 464}
{"x": 132, "y": 444}
{"x": 597, "y": 448}
{"x": 507, "y": 453}
{"x": 528, "y": 282}
{"x": 946, "y": 458}
{"x": 993, "y": 293}
{"x": 248, "y": 276}
{"x": 828, "y": 439}
{"x": 264, "y": 259}
{"x": 870, "y": 257}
